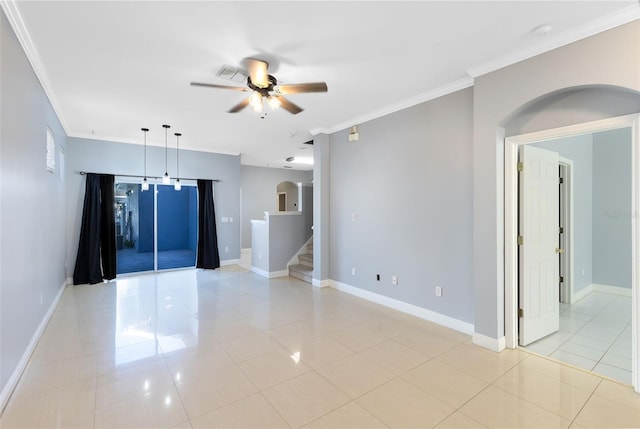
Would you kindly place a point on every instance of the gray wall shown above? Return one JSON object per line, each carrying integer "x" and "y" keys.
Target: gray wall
{"x": 122, "y": 158}
{"x": 580, "y": 150}
{"x": 259, "y": 193}
{"x": 408, "y": 180}
{"x": 612, "y": 208}
{"x": 500, "y": 96}
{"x": 287, "y": 234}
{"x": 32, "y": 204}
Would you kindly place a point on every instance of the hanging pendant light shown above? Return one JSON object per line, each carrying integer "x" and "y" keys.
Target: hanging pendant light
{"x": 177, "y": 185}
{"x": 166, "y": 179}
{"x": 145, "y": 182}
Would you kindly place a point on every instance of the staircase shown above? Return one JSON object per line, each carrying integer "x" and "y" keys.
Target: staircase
{"x": 304, "y": 269}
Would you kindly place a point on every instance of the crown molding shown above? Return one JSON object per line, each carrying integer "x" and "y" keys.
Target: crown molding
{"x": 113, "y": 139}
{"x": 12, "y": 13}
{"x": 606, "y": 22}
{"x": 401, "y": 105}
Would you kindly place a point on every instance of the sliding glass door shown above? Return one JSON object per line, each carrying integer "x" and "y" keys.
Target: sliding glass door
{"x": 155, "y": 229}
{"x": 177, "y": 226}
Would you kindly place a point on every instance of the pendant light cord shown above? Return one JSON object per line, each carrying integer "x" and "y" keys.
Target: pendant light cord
{"x": 166, "y": 149}
{"x": 144, "y": 130}
{"x": 178, "y": 154}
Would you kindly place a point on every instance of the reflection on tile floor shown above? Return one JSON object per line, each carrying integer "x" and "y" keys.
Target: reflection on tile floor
{"x": 227, "y": 348}
{"x": 595, "y": 334}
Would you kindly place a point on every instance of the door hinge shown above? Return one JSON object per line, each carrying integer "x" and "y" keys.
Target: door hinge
{"x": 561, "y": 230}
{"x": 520, "y": 240}
{"x": 561, "y": 180}
{"x": 520, "y": 166}
{"x": 561, "y": 279}
{"x": 520, "y": 313}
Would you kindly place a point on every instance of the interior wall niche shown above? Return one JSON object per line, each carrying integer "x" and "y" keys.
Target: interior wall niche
{"x": 289, "y": 189}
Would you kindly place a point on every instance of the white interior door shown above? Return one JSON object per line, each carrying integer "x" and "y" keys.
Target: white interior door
{"x": 539, "y": 281}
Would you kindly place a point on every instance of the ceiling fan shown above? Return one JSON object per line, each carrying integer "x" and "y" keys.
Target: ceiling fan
{"x": 264, "y": 87}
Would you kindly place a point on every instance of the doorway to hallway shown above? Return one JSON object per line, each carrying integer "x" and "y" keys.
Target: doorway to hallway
{"x": 595, "y": 326}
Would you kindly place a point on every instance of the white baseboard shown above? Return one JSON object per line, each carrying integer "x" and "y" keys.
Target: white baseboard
{"x": 321, "y": 283}
{"x": 614, "y": 290}
{"x": 496, "y": 345}
{"x": 70, "y": 280}
{"x": 229, "y": 262}
{"x": 577, "y": 296}
{"x": 22, "y": 364}
{"x": 414, "y": 310}
{"x": 269, "y": 274}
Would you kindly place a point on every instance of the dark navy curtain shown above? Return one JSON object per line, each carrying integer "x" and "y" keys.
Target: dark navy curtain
{"x": 96, "y": 259}
{"x": 208, "y": 256}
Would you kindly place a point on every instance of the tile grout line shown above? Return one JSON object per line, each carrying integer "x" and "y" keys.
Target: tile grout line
{"x": 586, "y": 402}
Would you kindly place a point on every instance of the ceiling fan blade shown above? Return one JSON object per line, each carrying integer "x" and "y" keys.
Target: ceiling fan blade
{"x": 258, "y": 72}
{"x": 238, "y": 107}
{"x": 289, "y": 106}
{"x": 296, "y": 88}
{"x": 212, "y": 85}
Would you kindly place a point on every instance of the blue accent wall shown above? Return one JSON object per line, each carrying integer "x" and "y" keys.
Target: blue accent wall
{"x": 193, "y": 216}
{"x": 173, "y": 215}
{"x": 145, "y": 213}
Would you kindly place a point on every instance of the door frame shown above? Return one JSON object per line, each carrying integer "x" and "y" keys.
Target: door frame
{"x": 285, "y": 201}
{"x": 566, "y": 217}
{"x": 511, "y": 145}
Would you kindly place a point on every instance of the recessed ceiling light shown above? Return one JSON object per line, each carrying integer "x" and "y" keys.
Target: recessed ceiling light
{"x": 542, "y": 30}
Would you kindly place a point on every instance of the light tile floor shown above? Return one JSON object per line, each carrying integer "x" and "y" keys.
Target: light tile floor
{"x": 202, "y": 349}
{"x": 595, "y": 334}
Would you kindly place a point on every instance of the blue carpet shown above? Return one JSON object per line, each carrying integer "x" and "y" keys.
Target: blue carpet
{"x": 130, "y": 261}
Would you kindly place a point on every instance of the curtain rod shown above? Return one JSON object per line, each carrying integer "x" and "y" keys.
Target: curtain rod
{"x": 82, "y": 173}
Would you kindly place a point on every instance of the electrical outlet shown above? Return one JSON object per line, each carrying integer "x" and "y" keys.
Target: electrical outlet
{"x": 226, "y": 249}
{"x": 353, "y": 217}
{"x": 438, "y": 291}
{"x": 353, "y": 271}
{"x": 378, "y": 277}
{"x": 394, "y": 280}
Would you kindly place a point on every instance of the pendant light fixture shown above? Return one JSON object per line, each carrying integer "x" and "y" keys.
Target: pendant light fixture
{"x": 166, "y": 179}
{"x": 145, "y": 182}
{"x": 177, "y": 185}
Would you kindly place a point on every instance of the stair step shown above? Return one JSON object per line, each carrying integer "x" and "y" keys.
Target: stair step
{"x": 301, "y": 272}
{"x": 306, "y": 259}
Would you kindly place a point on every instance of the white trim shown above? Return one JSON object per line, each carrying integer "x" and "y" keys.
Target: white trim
{"x": 404, "y": 307}
{"x": 606, "y": 22}
{"x": 69, "y": 281}
{"x": 269, "y": 274}
{"x": 321, "y": 283}
{"x": 577, "y": 296}
{"x": 510, "y": 218}
{"x": 569, "y": 226}
{"x": 613, "y": 290}
{"x": 438, "y": 92}
{"x": 229, "y": 262}
{"x": 496, "y": 345}
{"x": 22, "y": 364}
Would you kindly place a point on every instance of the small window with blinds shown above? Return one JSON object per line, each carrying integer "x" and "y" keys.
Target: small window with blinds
{"x": 51, "y": 152}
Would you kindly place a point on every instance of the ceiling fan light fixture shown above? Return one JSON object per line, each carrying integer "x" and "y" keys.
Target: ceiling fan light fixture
{"x": 255, "y": 100}
{"x": 273, "y": 102}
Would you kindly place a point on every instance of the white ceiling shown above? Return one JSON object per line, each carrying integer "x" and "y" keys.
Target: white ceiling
{"x": 111, "y": 68}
